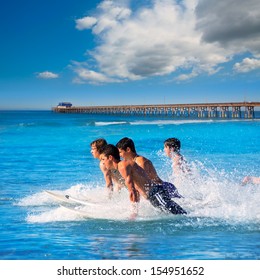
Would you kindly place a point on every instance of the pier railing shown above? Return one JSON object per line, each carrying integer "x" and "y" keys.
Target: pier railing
{"x": 200, "y": 110}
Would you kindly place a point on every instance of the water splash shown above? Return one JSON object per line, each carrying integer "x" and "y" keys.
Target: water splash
{"x": 214, "y": 193}
{"x": 116, "y": 208}
{"x": 208, "y": 193}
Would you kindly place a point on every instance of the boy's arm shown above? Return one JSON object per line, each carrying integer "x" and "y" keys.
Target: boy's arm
{"x": 251, "y": 179}
{"x": 256, "y": 180}
{"x": 125, "y": 171}
{"x": 108, "y": 179}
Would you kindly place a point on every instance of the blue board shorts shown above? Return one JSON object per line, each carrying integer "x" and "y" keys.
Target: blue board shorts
{"x": 172, "y": 190}
{"x": 159, "y": 197}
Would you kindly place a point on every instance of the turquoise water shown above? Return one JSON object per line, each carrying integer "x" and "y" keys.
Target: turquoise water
{"x": 42, "y": 150}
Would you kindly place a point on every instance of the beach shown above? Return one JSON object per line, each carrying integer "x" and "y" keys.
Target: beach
{"x": 43, "y": 150}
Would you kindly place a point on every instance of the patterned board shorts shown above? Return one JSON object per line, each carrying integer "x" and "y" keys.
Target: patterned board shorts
{"x": 160, "y": 198}
{"x": 172, "y": 190}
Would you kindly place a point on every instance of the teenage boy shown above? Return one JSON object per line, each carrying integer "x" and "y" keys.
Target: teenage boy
{"x": 114, "y": 181}
{"x": 138, "y": 183}
{"x": 128, "y": 152}
{"x": 172, "y": 147}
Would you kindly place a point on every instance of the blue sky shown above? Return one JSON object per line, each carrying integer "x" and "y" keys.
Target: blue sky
{"x": 128, "y": 52}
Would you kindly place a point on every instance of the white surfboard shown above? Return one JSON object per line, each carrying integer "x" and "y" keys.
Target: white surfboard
{"x": 76, "y": 211}
{"x": 69, "y": 199}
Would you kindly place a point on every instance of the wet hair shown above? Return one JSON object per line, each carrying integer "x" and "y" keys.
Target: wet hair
{"x": 99, "y": 143}
{"x": 110, "y": 150}
{"x": 125, "y": 143}
{"x": 173, "y": 143}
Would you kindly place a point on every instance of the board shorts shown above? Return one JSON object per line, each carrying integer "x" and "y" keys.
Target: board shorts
{"x": 172, "y": 190}
{"x": 159, "y": 197}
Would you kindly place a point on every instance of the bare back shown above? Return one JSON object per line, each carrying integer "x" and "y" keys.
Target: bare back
{"x": 135, "y": 176}
{"x": 179, "y": 164}
{"x": 148, "y": 167}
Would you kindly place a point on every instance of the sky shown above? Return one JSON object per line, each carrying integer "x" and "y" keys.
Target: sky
{"x": 128, "y": 52}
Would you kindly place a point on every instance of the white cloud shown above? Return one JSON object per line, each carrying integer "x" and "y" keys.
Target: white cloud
{"x": 247, "y": 65}
{"x": 85, "y": 23}
{"x": 185, "y": 77}
{"x": 47, "y": 75}
{"x": 161, "y": 38}
{"x": 84, "y": 75}
{"x": 109, "y": 15}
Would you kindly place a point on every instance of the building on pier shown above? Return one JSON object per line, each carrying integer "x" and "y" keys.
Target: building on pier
{"x": 64, "y": 105}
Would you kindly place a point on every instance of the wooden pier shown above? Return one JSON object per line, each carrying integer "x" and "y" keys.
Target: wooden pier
{"x": 199, "y": 110}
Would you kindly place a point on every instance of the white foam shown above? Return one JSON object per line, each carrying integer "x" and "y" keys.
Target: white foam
{"x": 218, "y": 195}
{"x": 188, "y": 121}
{"x": 169, "y": 122}
{"x": 109, "y": 123}
{"x": 35, "y": 200}
{"x": 117, "y": 208}
{"x": 58, "y": 214}
{"x": 208, "y": 193}
{"x": 172, "y": 122}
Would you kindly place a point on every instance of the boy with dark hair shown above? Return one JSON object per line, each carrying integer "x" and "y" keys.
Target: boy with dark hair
{"x": 125, "y": 143}
{"x": 113, "y": 181}
{"x": 172, "y": 147}
{"x": 127, "y": 151}
{"x": 173, "y": 143}
{"x": 138, "y": 183}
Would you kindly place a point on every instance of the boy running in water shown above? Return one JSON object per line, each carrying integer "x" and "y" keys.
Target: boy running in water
{"x": 138, "y": 182}
{"x": 128, "y": 152}
{"x": 172, "y": 147}
{"x": 114, "y": 181}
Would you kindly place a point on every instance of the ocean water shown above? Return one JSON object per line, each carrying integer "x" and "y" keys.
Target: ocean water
{"x": 42, "y": 150}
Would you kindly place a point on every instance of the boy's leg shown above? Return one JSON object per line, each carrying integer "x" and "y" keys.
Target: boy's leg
{"x": 159, "y": 198}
